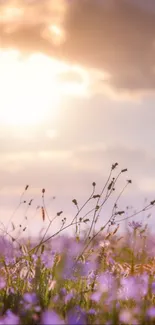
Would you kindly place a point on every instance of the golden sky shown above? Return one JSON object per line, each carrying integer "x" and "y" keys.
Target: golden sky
{"x": 77, "y": 83}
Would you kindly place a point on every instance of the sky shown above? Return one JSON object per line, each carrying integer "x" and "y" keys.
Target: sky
{"x": 77, "y": 80}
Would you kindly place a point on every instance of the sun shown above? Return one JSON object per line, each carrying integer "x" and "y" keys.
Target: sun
{"x": 30, "y": 90}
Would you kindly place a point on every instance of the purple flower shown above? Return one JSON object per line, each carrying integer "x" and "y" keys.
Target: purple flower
{"x": 68, "y": 297}
{"x": 125, "y": 316}
{"x": 9, "y": 260}
{"x": 96, "y": 296}
{"x": 92, "y": 311}
{"x": 30, "y": 298}
{"x": 87, "y": 266}
{"x": 35, "y": 257}
{"x": 49, "y": 317}
{"x": 11, "y": 290}
{"x": 75, "y": 248}
{"x": 153, "y": 287}
{"x": 10, "y": 318}
{"x": 56, "y": 298}
{"x": 37, "y": 309}
{"x": 63, "y": 291}
{"x": 2, "y": 283}
{"x": 143, "y": 284}
{"x": 48, "y": 259}
{"x": 69, "y": 268}
{"x": 133, "y": 287}
{"x": 73, "y": 269}
{"x": 106, "y": 282}
{"x": 76, "y": 316}
{"x": 151, "y": 312}
{"x": 135, "y": 225}
{"x": 111, "y": 261}
{"x": 129, "y": 289}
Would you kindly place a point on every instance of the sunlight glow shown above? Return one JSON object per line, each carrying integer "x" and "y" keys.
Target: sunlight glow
{"x": 30, "y": 91}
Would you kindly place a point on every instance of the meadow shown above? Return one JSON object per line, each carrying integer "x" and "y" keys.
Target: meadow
{"x": 95, "y": 276}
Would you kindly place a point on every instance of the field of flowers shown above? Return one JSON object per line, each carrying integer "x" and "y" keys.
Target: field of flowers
{"x": 94, "y": 277}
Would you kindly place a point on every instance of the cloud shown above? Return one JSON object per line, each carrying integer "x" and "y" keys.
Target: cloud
{"x": 116, "y": 37}
{"x": 25, "y": 25}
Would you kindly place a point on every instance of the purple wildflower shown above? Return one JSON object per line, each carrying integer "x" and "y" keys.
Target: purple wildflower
{"x": 73, "y": 269}
{"x": 76, "y": 316}
{"x": 63, "y": 291}
{"x": 10, "y": 318}
{"x": 37, "y": 309}
{"x": 87, "y": 266}
{"x": 30, "y": 298}
{"x": 2, "y": 283}
{"x": 128, "y": 289}
{"x": 135, "y": 225}
{"x": 69, "y": 268}
{"x": 35, "y": 258}
{"x": 49, "y": 317}
{"x": 96, "y": 296}
{"x": 151, "y": 312}
{"x": 143, "y": 284}
{"x": 68, "y": 297}
{"x": 125, "y": 316}
{"x": 153, "y": 287}
{"x": 56, "y": 298}
{"x": 92, "y": 311}
{"x": 48, "y": 259}
{"x": 9, "y": 260}
{"x": 106, "y": 282}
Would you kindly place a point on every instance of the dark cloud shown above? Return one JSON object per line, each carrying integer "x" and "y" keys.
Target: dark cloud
{"x": 118, "y": 38}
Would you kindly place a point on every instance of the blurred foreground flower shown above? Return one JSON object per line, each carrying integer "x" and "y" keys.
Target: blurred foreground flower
{"x": 151, "y": 312}
{"x": 49, "y": 317}
{"x": 10, "y": 318}
{"x": 76, "y": 316}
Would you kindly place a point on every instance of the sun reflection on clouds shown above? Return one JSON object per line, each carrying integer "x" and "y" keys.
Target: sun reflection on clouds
{"x": 31, "y": 90}
{"x": 54, "y": 34}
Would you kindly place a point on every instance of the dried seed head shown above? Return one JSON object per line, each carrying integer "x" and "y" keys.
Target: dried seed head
{"x": 30, "y": 202}
{"x": 86, "y": 220}
{"x": 43, "y": 213}
{"x": 96, "y": 196}
{"x": 110, "y": 185}
{"x": 108, "y": 235}
{"x": 59, "y": 213}
{"x": 74, "y": 201}
{"x": 129, "y": 181}
{"x": 119, "y": 213}
{"x": 124, "y": 170}
{"x": 116, "y": 229}
{"x": 114, "y": 166}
